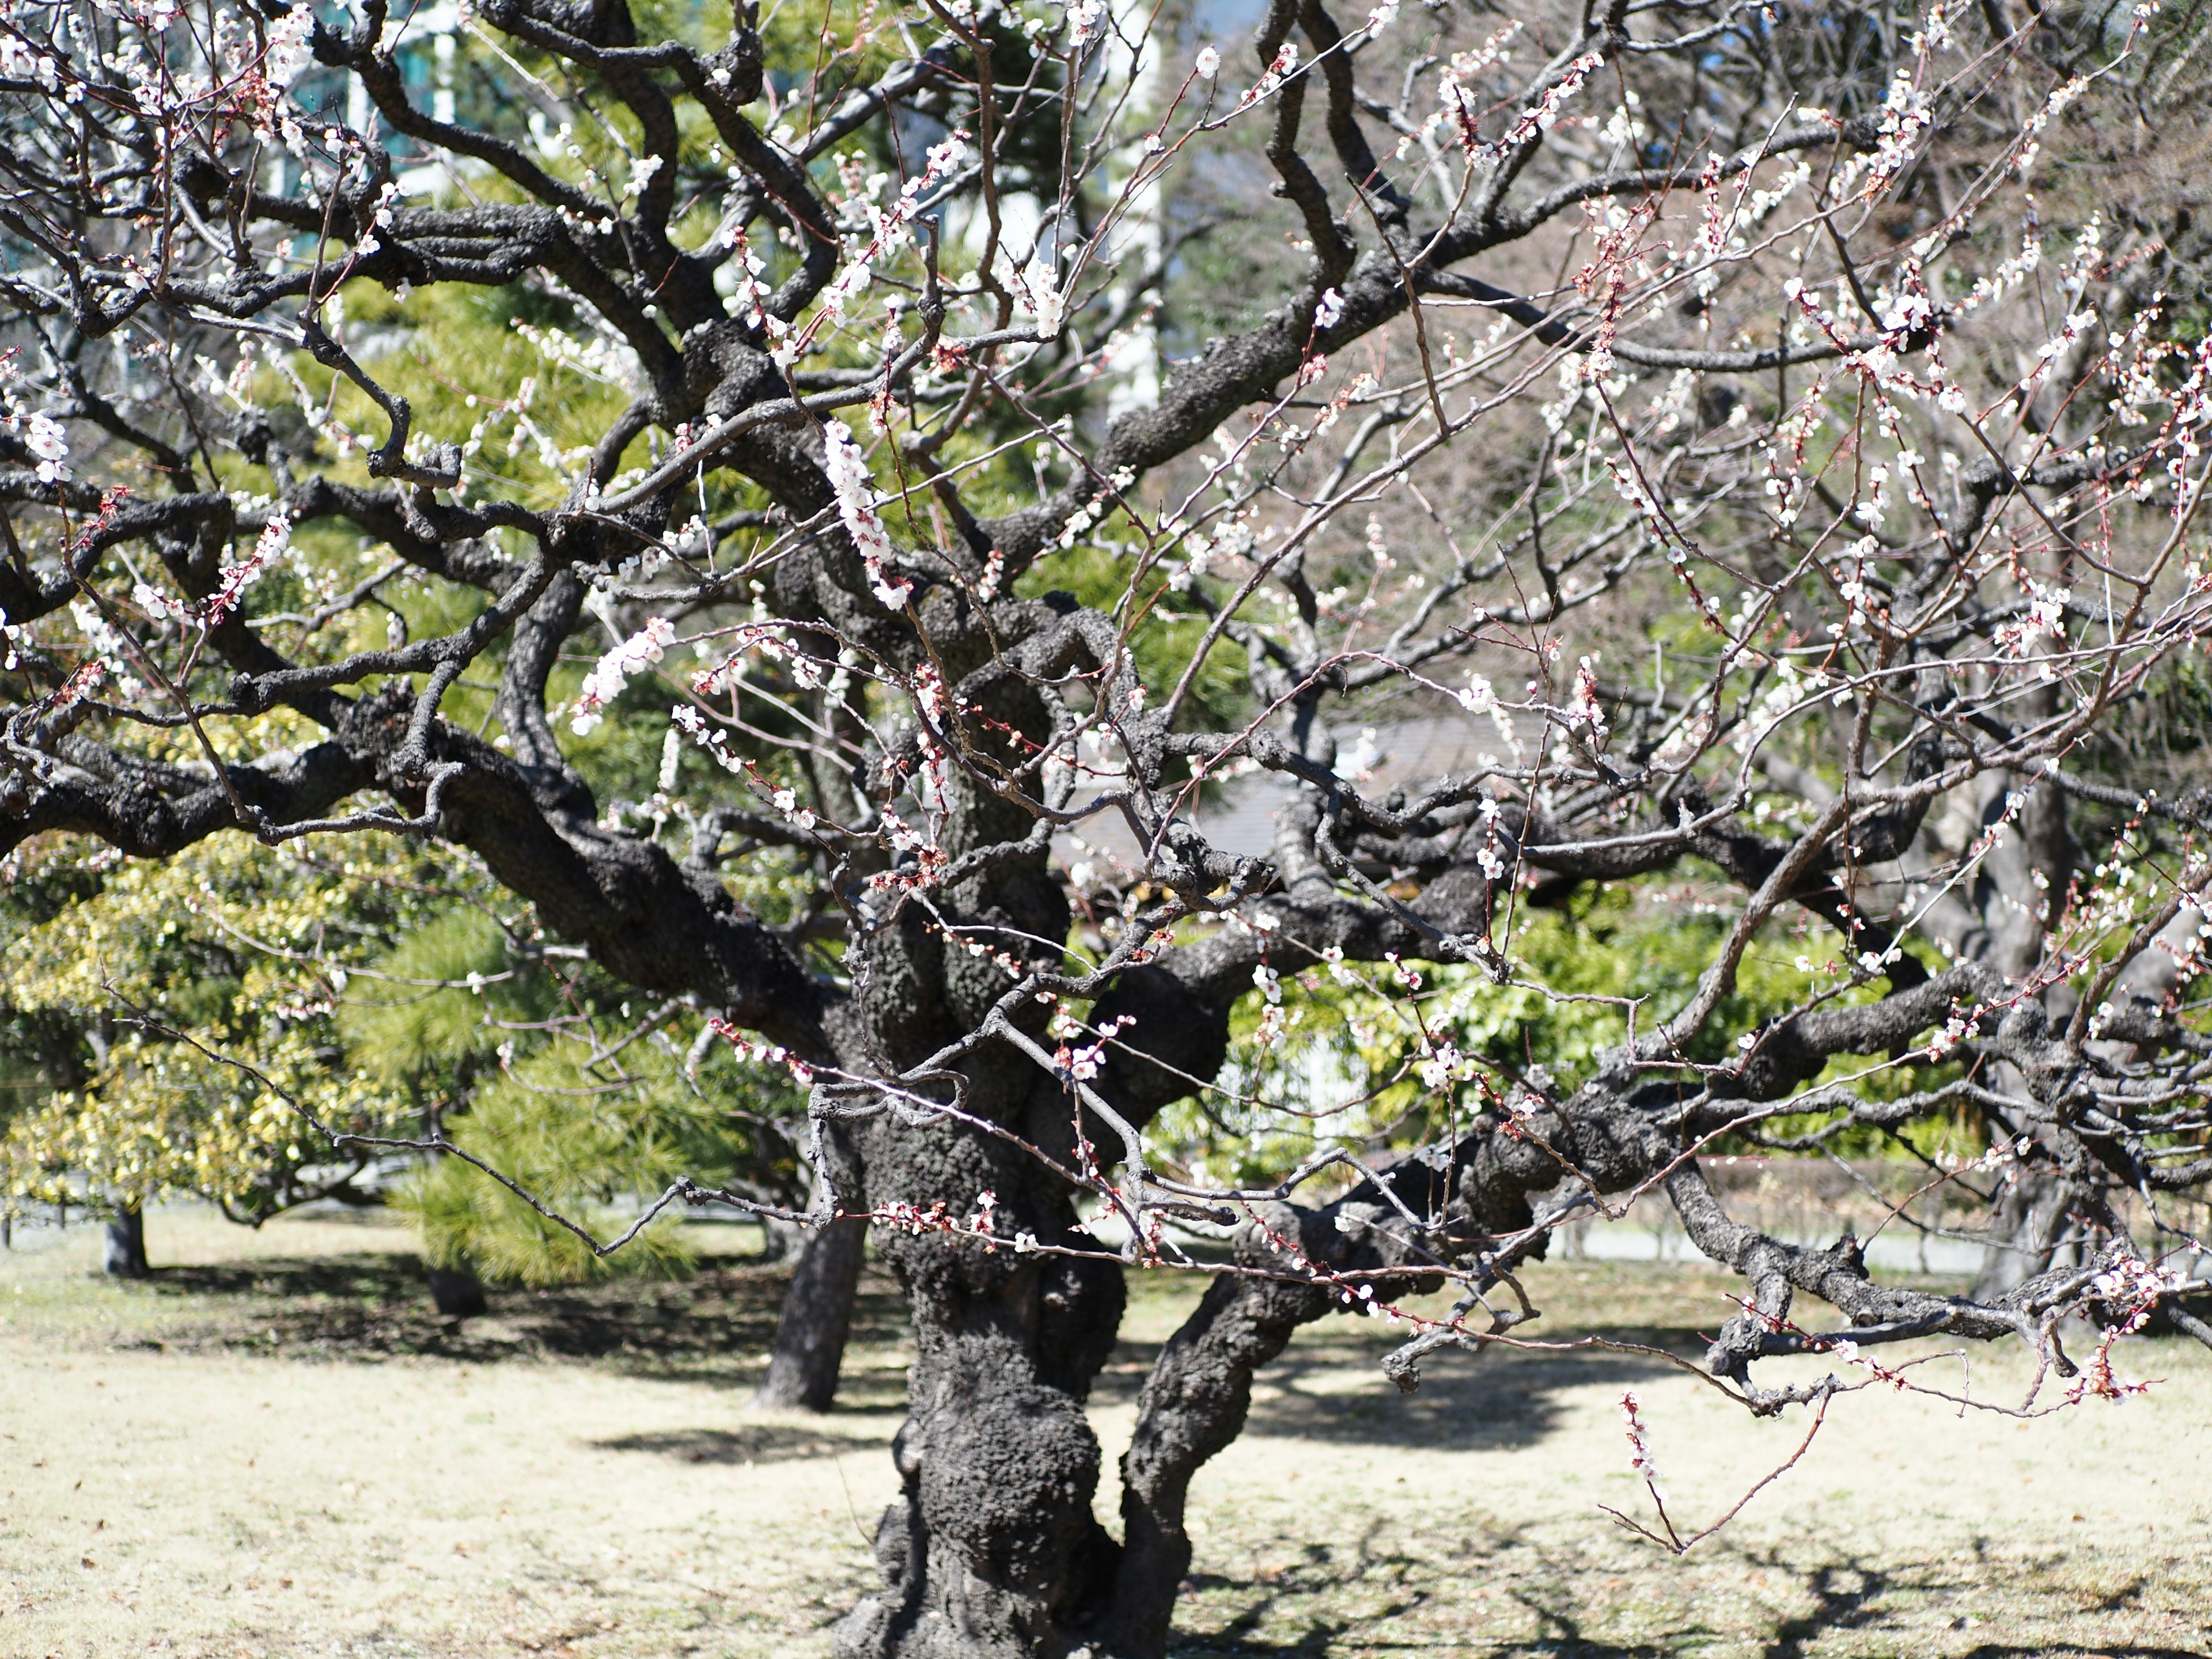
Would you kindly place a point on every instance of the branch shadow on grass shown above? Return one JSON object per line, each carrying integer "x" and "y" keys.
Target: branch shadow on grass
{"x": 1849, "y": 1595}
{"x": 1338, "y": 1603}
{"x": 712, "y": 1326}
{"x": 1315, "y": 1576}
{"x": 1410, "y": 1584}
{"x": 1498, "y": 1400}
{"x": 754, "y": 1442}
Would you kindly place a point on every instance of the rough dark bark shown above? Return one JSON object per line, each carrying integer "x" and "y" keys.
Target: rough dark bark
{"x": 123, "y": 1253}
{"x": 993, "y": 1548}
{"x": 1193, "y": 1406}
{"x": 809, "y": 1350}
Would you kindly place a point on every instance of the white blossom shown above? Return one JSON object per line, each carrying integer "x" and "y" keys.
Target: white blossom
{"x": 49, "y": 445}
{"x": 613, "y": 672}
{"x": 290, "y": 51}
{"x": 856, "y": 506}
{"x": 276, "y": 540}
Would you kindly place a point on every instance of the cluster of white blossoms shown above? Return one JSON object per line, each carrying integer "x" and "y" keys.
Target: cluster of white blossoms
{"x": 856, "y": 506}
{"x": 275, "y": 541}
{"x": 613, "y": 672}
{"x": 1639, "y": 1444}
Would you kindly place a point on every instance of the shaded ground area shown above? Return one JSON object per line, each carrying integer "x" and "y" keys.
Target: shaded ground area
{"x": 711, "y": 1327}
{"x": 276, "y": 1447}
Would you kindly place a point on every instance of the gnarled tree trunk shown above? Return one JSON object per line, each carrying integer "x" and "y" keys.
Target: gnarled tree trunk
{"x": 991, "y": 1549}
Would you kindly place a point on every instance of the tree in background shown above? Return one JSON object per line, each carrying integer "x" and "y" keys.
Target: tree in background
{"x": 592, "y": 1105}
{"x": 388, "y": 998}
{"x": 136, "y": 1118}
{"x": 1744, "y": 421}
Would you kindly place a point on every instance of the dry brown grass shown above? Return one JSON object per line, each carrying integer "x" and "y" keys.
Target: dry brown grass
{"x": 273, "y": 1449}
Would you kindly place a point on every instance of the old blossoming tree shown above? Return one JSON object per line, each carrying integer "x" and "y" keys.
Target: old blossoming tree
{"x": 1771, "y": 435}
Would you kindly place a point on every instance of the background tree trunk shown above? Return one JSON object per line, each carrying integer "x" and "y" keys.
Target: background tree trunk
{"x": 2025, "y": 1223}
{"x": 781, "y": 1239}
{"x": 125, "y": 1255}
{"x": 817, "y": 1316}
{"x": 456, "y": 1291}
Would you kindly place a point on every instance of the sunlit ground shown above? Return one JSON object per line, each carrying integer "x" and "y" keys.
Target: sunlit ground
{"x": 276, "y": 1448}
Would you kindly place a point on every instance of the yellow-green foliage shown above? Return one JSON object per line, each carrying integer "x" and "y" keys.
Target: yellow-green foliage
{"x": 217, "y": 942}
{"x": 524, "y": 1080}
{"x": 360, "y": 978}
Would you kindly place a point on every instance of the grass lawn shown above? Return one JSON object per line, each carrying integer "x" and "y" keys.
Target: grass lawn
{"x": 275, "y": 1447}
